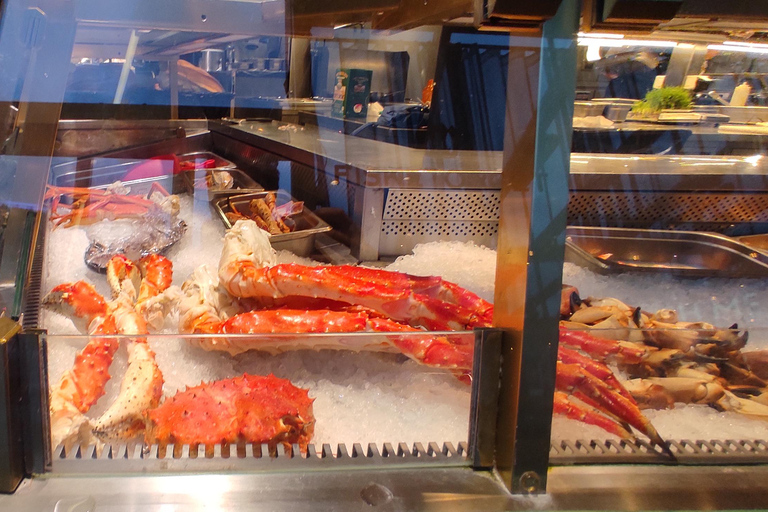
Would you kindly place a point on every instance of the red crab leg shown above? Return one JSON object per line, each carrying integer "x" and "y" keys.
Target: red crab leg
{"x": 81, "y": 386}
{"x": 156, "y": 187}
{"x": 113, "y": 204}
{"x": 395, "y": 299}
{"x": 251, "y": 408}
{"x": 589, "y": 415}
{"x": 626, "y": 352}
{"x": 597, "y": 369}
{"x": 141, "y": 386}
{"x": 431, "y": 286}
{"x": 573, "y": 378}
{"x": 454, "y": 352}
{"x": 85, "y": 382}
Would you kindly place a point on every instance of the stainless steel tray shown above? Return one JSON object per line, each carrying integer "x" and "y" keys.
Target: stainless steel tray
{"x": 103, "y": 172}
{"x": 106, "y": 171}
{"x": 199, "y": 157}
{"x": 308, "y": 225}
{"x": 757, "y": 242}
{"x": 243, "y": 184}
{"x": 102, "y": 177}
{"x": 680, "y": 253}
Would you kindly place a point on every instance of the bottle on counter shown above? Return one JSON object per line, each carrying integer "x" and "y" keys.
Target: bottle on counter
{"x": 740, "y": 95}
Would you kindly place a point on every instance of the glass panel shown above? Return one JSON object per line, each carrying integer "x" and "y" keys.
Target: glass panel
{"x": 361, "y": 389}
{"x": 719, "y": 113}
{"x": 336, "y": 140}
{"x": 666, "y": 219}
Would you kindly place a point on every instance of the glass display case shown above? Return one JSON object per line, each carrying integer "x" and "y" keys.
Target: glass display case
{"x": 665, "y": 219}
{"x": 428, "y": 246}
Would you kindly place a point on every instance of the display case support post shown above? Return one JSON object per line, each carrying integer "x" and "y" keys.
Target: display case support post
{"x": 534, "y": 200}
{"x": 11, "y": 454}
{"x": 486, "y": 367}
{"x": 34, "y": 399}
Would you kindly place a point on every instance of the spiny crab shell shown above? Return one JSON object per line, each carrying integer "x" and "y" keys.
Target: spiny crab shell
{"x": 250, "y": 408}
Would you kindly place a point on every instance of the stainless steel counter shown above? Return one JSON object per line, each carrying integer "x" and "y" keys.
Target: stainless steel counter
{"x": 389, "y": 184}
{"x": 425, "y": 489}
{"x": 375, "y": 164}
{"x": 369, "y": 163}
{"x": 590, "y": 171}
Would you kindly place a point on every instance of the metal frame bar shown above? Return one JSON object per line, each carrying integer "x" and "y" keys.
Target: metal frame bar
{"x": 11, "y": 427}
{"x": 486, "y": 368}
{"x": 33, "y": 394}
{"x": 534, "y": 199}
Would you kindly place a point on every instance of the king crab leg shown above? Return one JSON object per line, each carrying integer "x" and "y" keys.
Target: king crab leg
{"x": 589, "y": 415}
{"x": 420, "y": 301}
{"x": 382, "y": 301}
{"x": 572, "y": 378}
{"x": 427, "y": 349}
{"x": 91, "y": 205}
{"x": 84, "y": 384}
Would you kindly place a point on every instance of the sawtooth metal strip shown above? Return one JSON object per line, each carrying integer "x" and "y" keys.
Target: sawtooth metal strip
{"x": 685, "y": 452}
{"x": 137, "y": 457}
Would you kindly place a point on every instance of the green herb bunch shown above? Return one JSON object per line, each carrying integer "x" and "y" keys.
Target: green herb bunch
{"x": 657, "y": 100}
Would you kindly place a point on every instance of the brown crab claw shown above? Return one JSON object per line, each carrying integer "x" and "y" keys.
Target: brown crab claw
{"x": 741, "y": 376}
{"x": 570, "y": 301}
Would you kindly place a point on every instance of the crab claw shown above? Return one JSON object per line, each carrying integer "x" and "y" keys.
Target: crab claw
{"x": 123, "y": 276}
{"x": 757, "y": 362}
{"x": 648, "y": 395}
{"x": 79, "y": 299}
{"x": 664, "y": 392}
{"x": 745, "y": 406}
{"x": 569, "y": 300}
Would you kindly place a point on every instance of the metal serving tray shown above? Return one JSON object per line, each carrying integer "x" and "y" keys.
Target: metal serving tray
{"x": 680, "y": 253}
{"x": 201, "y": 156}
{"x": 104, "y": 172}
{"x": 300, "y": 242}
{"x": 243, "y": 184}
{"x": 100, "y": 178}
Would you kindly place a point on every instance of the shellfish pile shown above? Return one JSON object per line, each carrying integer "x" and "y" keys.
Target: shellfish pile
{"x": 688, "y": 362}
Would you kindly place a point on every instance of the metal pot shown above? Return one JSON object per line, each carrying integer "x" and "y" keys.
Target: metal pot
{"x": 212, "y": 60}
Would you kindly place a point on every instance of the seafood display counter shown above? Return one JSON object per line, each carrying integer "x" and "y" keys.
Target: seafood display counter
{"x": 377, "y": 390}
{"x": 245, "y": 313}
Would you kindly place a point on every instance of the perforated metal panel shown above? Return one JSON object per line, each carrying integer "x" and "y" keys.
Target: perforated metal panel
{"x": 417, "y": 216}
{"x": 449, "y": 205}
{"x": 667, "y": 210}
